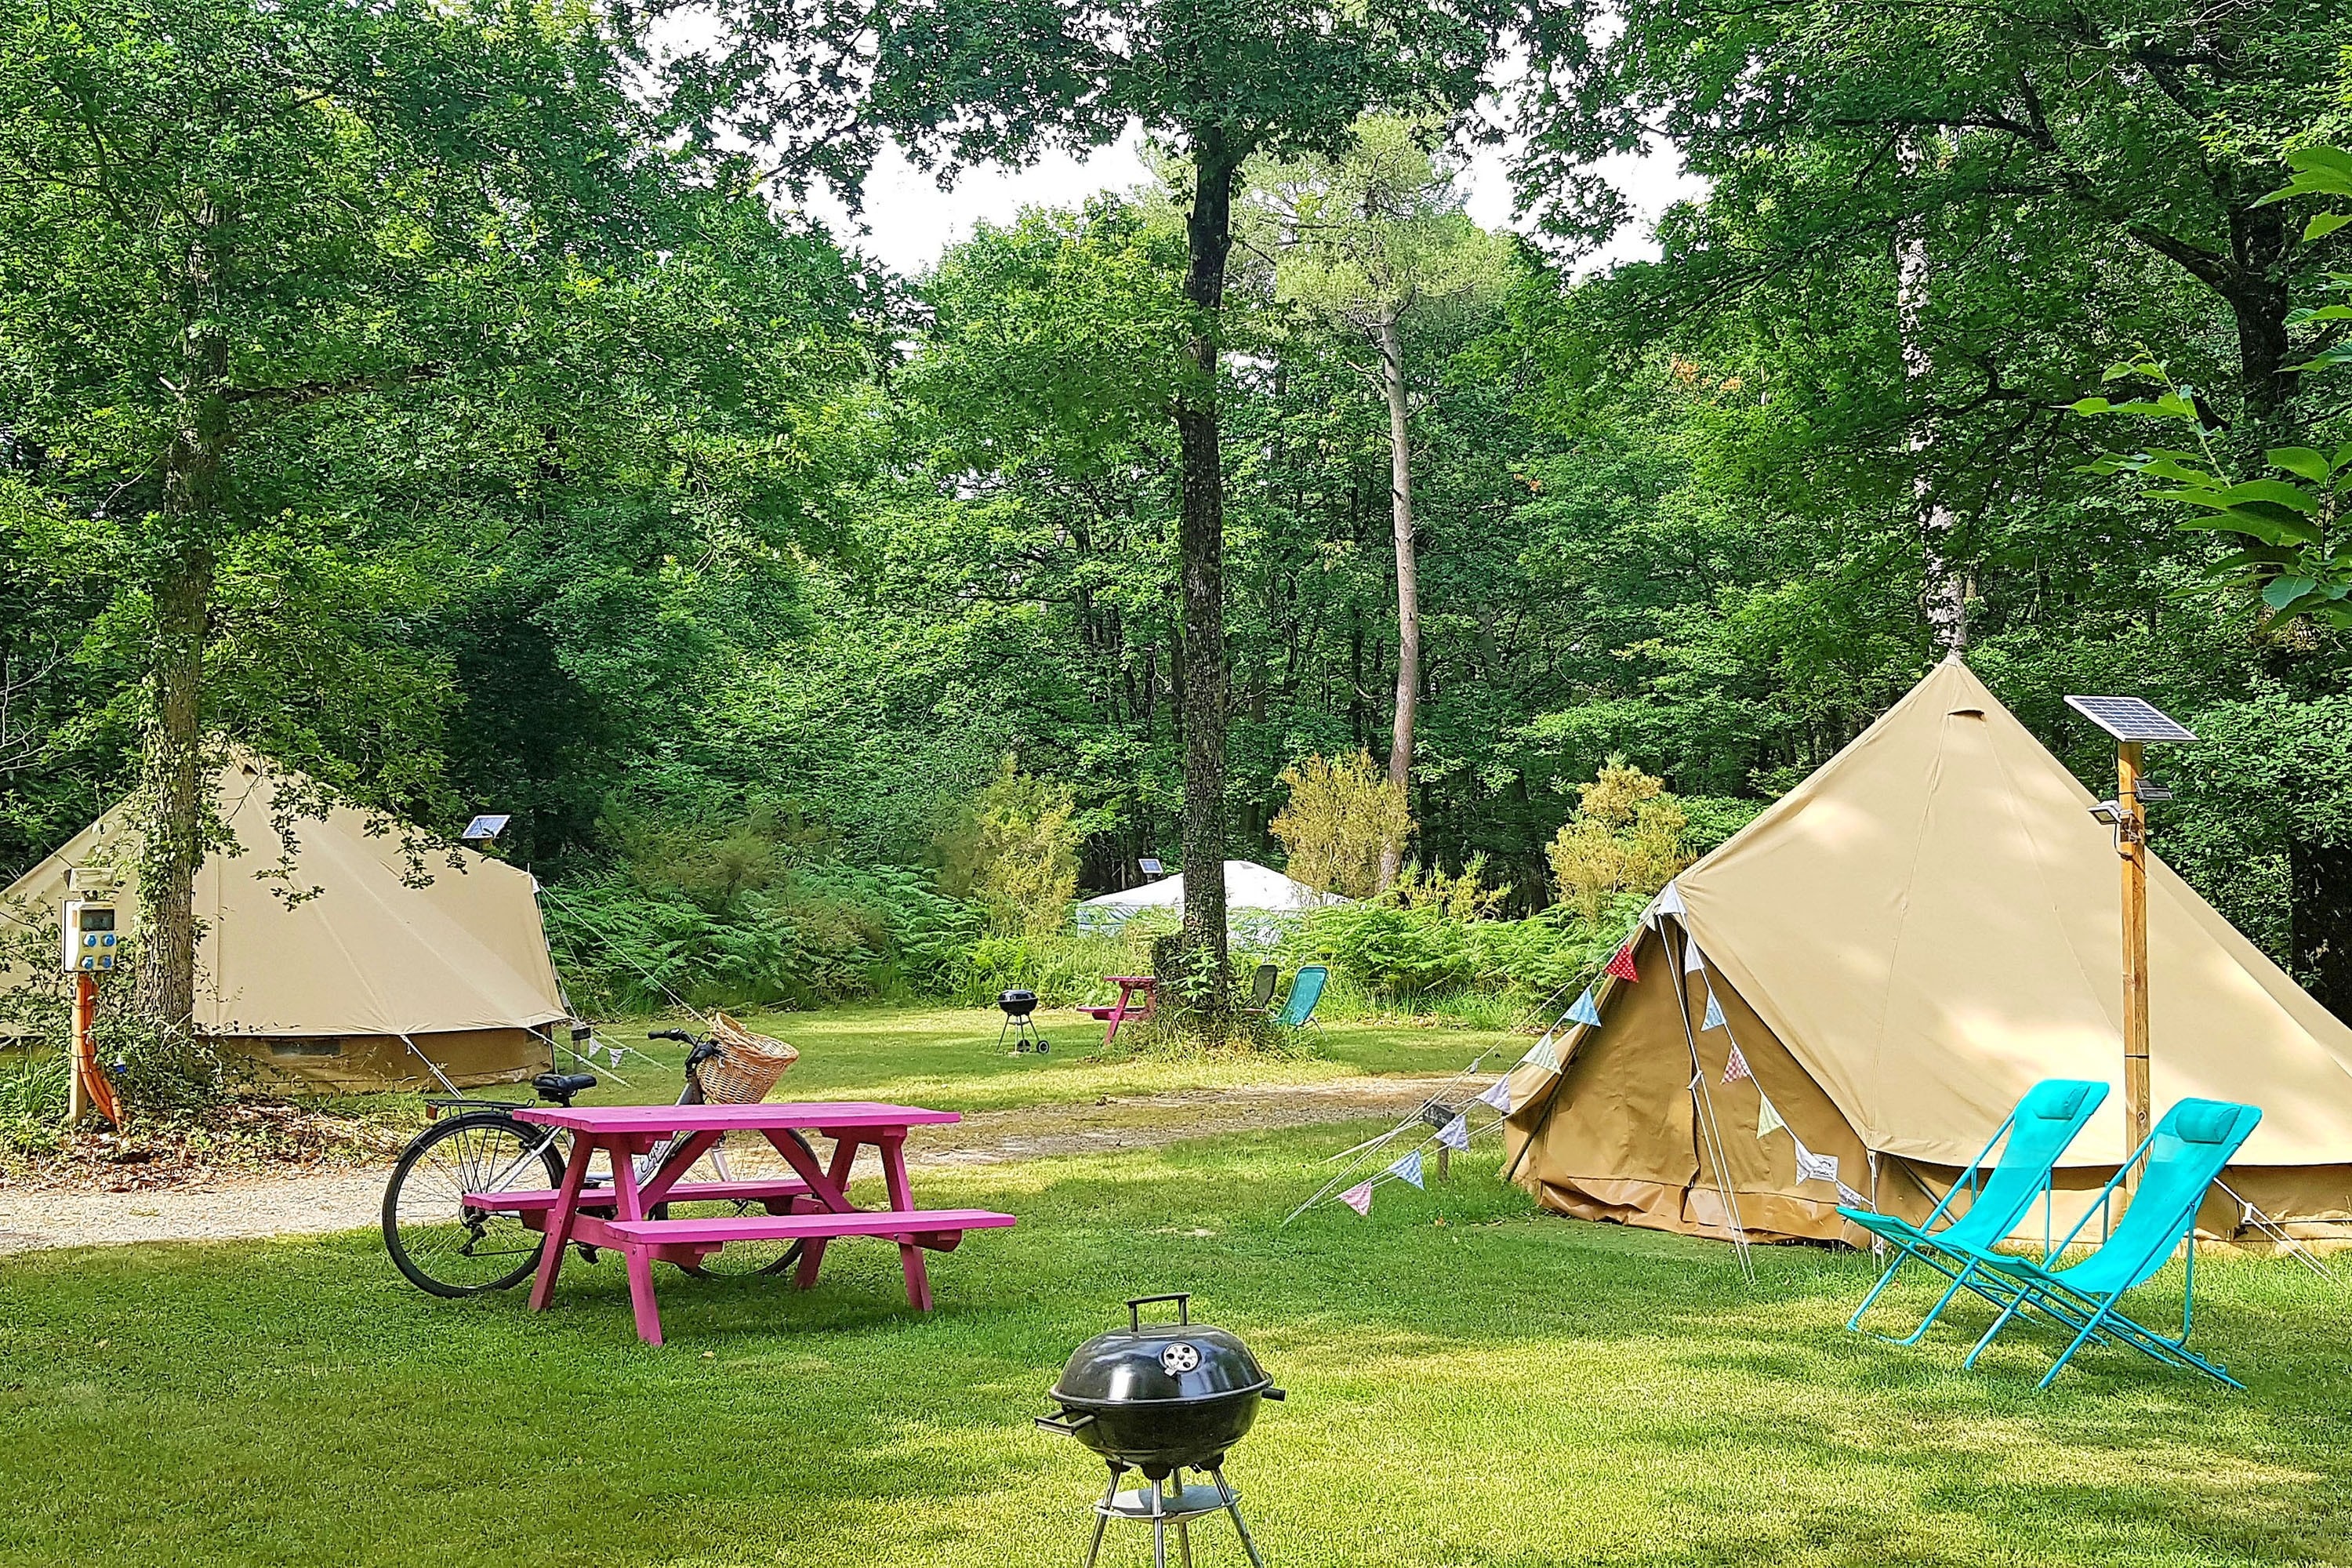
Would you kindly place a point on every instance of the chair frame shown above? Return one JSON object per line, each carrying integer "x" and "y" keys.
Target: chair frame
{"x": 1920, "y": 1242}
{"x": 2094, "y": 1317}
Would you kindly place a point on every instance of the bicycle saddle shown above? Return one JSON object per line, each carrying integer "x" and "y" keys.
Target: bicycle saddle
{"x": 559, "y": 1086}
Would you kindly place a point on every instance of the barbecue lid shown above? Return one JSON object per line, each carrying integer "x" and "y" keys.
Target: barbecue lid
{"x": 1159, "y": 1363}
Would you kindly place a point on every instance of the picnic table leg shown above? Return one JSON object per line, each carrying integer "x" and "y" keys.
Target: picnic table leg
{"x": 631, "y": 1206}
{"x": 910, "y": 1256}
{"x": 829, "y": 1187}
{"x": 558, "y": 1223}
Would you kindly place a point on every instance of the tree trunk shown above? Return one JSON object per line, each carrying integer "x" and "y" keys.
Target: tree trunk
{"x": 1201, "y": 547}
{"x": 173, "y": 766}
{"x": 1943, "y": 587}
{"x": 174, "y": 785}
{"x": 1408, "y": 583}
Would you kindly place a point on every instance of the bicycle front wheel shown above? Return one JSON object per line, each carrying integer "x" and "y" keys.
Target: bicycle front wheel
{"x": 441, "y": 1242}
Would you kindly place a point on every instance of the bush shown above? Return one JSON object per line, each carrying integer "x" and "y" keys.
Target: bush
{"x": 826, "y": 934}
{"x": 1423, "y": 955}
{"x": 1342, "y": 818}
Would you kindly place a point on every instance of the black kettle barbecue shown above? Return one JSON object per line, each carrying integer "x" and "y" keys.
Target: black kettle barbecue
{"x": 1162, "y": 1399}
{"x": 1017, "y": 1006}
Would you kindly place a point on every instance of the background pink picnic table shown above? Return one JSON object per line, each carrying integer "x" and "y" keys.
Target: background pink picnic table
{"x": 623, "y": 1131}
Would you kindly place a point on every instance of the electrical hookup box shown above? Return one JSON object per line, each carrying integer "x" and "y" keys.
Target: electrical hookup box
{"x": 91, "y": 938}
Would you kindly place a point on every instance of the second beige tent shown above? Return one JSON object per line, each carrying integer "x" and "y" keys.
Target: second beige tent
{"x": 329, "y": 956}
{"x": 1896, "y": 950}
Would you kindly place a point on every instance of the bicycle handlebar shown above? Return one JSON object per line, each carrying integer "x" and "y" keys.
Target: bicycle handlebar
{"x": 680, "y": 1036}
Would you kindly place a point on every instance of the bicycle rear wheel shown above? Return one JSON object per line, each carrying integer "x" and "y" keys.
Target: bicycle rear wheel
{"x": 447, "y": 1247}
{"x": 736, "y": 1259}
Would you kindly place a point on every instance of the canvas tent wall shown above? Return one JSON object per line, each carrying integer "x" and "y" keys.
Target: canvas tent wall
{"x": 322, "y": 964}
{"x": 1258, "y": 900}
{"x": 1900, "y": 947}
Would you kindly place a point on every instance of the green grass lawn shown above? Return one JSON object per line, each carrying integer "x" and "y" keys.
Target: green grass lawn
{"x": 1471, "y": 1385}
{"x": 948, "y": 1056}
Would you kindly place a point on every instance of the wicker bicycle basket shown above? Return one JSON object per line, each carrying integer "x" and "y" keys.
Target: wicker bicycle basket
{"x": 746, "y": 1066}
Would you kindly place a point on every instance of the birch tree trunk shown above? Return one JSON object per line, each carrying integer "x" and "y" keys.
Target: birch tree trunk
{"x": 1943, "y": 587}
{"x": 1408, "y": 581}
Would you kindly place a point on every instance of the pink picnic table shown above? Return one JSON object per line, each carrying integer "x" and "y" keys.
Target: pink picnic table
{"x": 812, "y": 1207}
{"x": 1129, "y": 985}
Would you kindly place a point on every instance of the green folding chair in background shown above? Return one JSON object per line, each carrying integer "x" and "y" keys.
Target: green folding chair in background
{"x": 2030, "y": 1140}
{"x": 2182, "y": 1157}
{"x": 1306, "y": 990}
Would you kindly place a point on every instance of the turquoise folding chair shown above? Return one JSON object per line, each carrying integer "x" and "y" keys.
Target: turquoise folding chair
{"x": 1306, "y": 990}
{"x": 2037, "y": 1132}
{"x": 2183, "y": 1156}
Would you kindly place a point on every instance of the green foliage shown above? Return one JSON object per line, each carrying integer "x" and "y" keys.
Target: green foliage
{"x": 1626, "y": 839}
{"x": 1400, "y": 953}
{"x": 1015, "y": 851}
{"x": 817, "y": 934}
{"x": 1343, "y": 815}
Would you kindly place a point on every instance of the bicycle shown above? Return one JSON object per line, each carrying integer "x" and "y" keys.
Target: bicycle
{"x": 447, "y": 1247}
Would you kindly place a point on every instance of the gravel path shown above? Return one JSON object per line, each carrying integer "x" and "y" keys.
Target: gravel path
{"x": 350, "y": 1197}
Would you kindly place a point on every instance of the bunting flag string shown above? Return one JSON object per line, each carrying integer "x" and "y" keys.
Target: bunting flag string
{"x": 1456, "y": 1134}
{"x": 1358, "y": 1197}
{"x": 1768, "y": 1120}
{"x": 1737, "y": 1068}
{"x": 1585, "y": 1011}
{"x": 1620, "y": 964}
{"x": 1498, "y": 1095}
{"x": 1715, "y": 1020}
{"x": 1408, "y": 1169}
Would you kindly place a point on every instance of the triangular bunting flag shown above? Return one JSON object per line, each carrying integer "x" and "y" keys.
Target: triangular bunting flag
{"x": 1694, "y": 961}
{"x": 1358, "y": 1197}
{"x": 1408, "y": 1169}
{"x": 1715, "y": 1021}
{"x": 1498, "y": 1095}
{"x": 1620, "y": 964}
{"x": 1851, "y": 1198}
{"x": 1542, "y": 1054}
{"x": 1737, "y": 1068}
{"x": 616, "y": 1056}
{"x": 1669, "y": 901}
{"x": 1768, "y": 1120}
{"x": 1813, "y": 1167}
{"x": 1586, "y": 1010}
{"x": 1456, "y": 1134}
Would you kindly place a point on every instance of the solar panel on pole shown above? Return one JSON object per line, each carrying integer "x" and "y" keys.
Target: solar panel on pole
{"x": 2131, "y": 719}
{"x": 2134, "y": 722}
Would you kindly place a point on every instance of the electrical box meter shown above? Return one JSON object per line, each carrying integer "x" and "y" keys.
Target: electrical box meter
{"x": 90, "y": 936}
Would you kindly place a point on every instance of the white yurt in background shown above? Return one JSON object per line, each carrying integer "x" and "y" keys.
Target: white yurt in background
{"x": 1258, "y": 901}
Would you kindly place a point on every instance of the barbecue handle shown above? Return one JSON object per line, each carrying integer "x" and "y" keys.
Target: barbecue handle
{"x": 1277, "y": 1394}
{"x": 1135, "y": 1305}
{"x": 1065, "y": 1424}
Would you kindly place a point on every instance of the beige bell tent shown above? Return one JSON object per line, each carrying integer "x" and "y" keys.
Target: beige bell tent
{"x": 323, "y": 965}
{"x": 1899, "y": 948}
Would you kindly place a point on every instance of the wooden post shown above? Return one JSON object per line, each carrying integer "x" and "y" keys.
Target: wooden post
{"x": 2131, "y": 845}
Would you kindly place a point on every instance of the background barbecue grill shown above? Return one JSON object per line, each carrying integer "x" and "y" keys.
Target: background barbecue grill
{"x": 1018, "y": 1006}
{"x": 1162, "y": 1400}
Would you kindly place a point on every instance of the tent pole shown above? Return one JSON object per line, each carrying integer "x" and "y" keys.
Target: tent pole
{"x": 1702, "y": 1101}
{"x": 2131, "y": 845}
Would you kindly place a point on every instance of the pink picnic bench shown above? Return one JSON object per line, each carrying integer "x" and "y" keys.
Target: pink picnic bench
{"x": 1124, "y": 1007}
{"x": 811, "y": 1207}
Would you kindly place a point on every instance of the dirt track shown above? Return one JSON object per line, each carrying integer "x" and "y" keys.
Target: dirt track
{"x": 349, "y": 1198}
